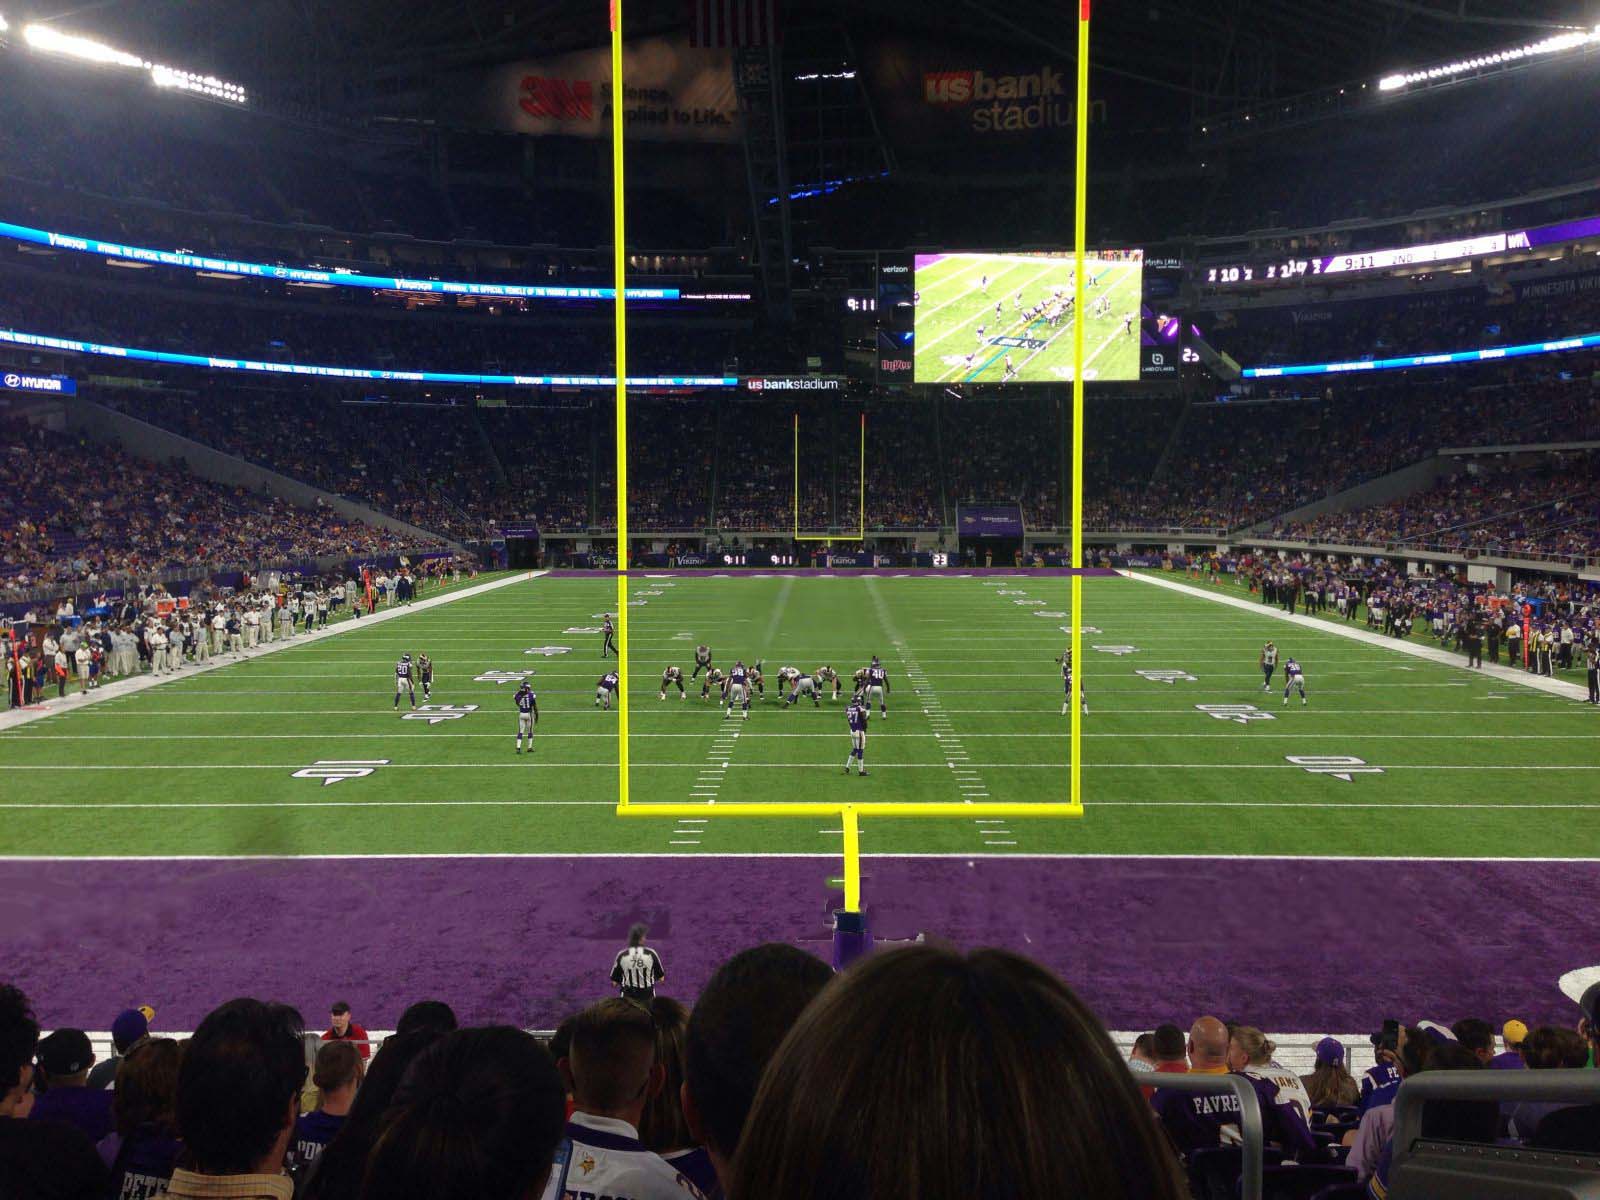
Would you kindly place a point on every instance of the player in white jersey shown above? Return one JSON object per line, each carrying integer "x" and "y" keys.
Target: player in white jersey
{"x": 672, "y": 676}
{"x": 404, "y": 680}
{"x": 786, "y": 678}
{"x": 527, "y": 714}
{"x": 1268, "y": 663}
{"x": 425, "y": 675}
{"x": 1066, "y": 683}
{"x": 803, "y": 685}
{"x": 1295, "y": 678}
{"x": 827, "y": 675}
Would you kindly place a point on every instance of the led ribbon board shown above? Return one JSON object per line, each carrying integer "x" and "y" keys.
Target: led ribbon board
{"x": 72, "y": 346}
{"x": 1427, "y": 360}
{"x": 228, "y": 266}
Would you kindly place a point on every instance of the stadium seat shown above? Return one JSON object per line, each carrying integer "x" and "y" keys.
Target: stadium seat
{"x": 1302, "y": 1182}
{"x": 1342, "y": 1191}
{"x": 1214, "y": 1174}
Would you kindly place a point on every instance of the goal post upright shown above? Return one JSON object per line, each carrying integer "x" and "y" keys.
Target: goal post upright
{"x": 1079, "y": 237}
{"x": 620, "y": 275}
{"x": 851, "y": 813}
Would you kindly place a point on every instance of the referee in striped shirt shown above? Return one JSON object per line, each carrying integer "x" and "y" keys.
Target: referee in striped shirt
{"x": 637, "y": 969}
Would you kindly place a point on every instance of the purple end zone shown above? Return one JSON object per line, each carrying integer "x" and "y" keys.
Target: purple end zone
{"x": 1291, "y": 946}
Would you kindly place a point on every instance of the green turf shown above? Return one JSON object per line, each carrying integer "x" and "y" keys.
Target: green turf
{"x": 953, "y": 305}
{"x": 204, "y": 765}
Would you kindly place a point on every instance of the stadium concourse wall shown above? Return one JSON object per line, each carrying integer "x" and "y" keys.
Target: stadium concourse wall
{"x": 147, "y": 441}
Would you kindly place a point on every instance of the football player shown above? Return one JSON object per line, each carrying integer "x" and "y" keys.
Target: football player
{"x": 604, "y": 689}
{"x": 1066, "y": 682}
{"x": 857, "y": 716}
{"x": 826, "y": 675}
{"x": 669, "y": 677}
{"x": 425, "y": 675}
{"x": 714, "y": 679}
{"x": 609, "y": 646}
{"x": 804, "y": 685}
{"x": 758, "y": 681}
{"x": 878, "y": 687}
{"x": 403, "y": 681}
{"x": 1268, "y": 663}
{"x": 527, "y": 714}
{"x": 738, "y": 690}
{"x": 858, "y": 681}
{"x": 786, "y": 678}
{"x": 1293, "y": 677}
{"x": 702, "y": 661}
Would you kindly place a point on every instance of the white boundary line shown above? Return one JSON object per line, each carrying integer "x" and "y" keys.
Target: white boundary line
{"x": 128, "y": 687}
{"x": 952, "y": 855}
{"x": 1554, "y": 687}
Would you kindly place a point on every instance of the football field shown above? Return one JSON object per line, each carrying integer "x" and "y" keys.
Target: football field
{"x": 1183, "y": 752}
{"x": 955, "y": 303}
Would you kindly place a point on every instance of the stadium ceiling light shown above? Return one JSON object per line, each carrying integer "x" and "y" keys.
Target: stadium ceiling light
{"x": 3, "y": 25}
{"x": 52, "y": 41}
{"x": 1558, "y": 44}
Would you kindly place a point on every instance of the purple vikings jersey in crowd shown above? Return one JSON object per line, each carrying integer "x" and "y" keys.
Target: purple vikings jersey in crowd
{"x": 1198, "y": 1122}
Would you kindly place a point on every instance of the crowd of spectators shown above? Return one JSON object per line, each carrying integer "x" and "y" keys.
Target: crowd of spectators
{"x": 1547, "y": 625}
{"x": 1547, "y": 508}
{"x": 918, "y": 1071}
{"x": 76, "y": 514}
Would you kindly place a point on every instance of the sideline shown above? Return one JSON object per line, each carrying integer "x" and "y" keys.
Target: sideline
{"x": 53, "y": 707}
{"x": 1539, "y": 683}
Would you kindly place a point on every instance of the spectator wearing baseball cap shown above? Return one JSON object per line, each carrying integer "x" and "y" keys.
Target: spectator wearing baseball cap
{"x": 1513, "y": 1034}
{"x": 131, "y": 1027}
{"x": 64, "y": 1095}
{"x": 1330, "y": 1084}
{"x": 39, "y": 1160}
{"x": 342, "y": 1027}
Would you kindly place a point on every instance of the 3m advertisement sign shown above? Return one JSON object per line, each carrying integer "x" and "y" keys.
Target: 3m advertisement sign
{"x": 674, "y": 92}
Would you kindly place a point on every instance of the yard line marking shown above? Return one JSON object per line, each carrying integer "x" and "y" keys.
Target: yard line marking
{"x": 955, "y": 753}
{"x": 1133, "y": 859}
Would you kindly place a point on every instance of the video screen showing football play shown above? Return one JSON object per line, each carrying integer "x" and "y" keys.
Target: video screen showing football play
{"x": 657, "y": 599}
{"x": 1008, "y": 318}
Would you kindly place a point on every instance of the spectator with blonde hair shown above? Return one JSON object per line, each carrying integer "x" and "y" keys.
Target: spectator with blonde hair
{"x": 1285, "y": 1106}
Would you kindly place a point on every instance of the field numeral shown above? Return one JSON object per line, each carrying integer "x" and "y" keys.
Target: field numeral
{"x": 1340, "y": 766}
{"x": 1166, "y": 676}
{"x": 1241, "y": 714}
{"x": 434, "y": 713}
{"x": 337, "y": 770}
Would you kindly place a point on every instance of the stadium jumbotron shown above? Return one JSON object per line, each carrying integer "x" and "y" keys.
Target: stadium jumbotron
{"x": 960, "y": 625}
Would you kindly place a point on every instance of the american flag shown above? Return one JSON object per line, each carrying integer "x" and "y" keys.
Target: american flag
{"x": 729, "y": 23}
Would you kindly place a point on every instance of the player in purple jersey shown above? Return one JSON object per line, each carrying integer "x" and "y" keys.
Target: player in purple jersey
{"x": 403, "y": 681}
{"x": 857, "y": 716}
{"x": 1293, "y": 677}
{"x": 738, "y": 691}
{"x": 877, "y": 687}
{"x": 605, "y": 688}
{"x": 527, "y": 714}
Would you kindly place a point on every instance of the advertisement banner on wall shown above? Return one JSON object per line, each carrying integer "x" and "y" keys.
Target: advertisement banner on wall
{"x": 674, "y": 93}
{"x": 929, "y": 94}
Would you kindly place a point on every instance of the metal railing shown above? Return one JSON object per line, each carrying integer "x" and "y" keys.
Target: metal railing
{"x": 1569, "y": 1086}
{"x": 1251, "y": 1130}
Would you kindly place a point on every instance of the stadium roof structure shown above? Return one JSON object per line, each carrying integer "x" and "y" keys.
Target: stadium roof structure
{"x": 1198, "y": 58}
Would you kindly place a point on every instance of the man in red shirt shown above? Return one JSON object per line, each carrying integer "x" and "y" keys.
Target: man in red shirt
{"x": 344, "y": 1029}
